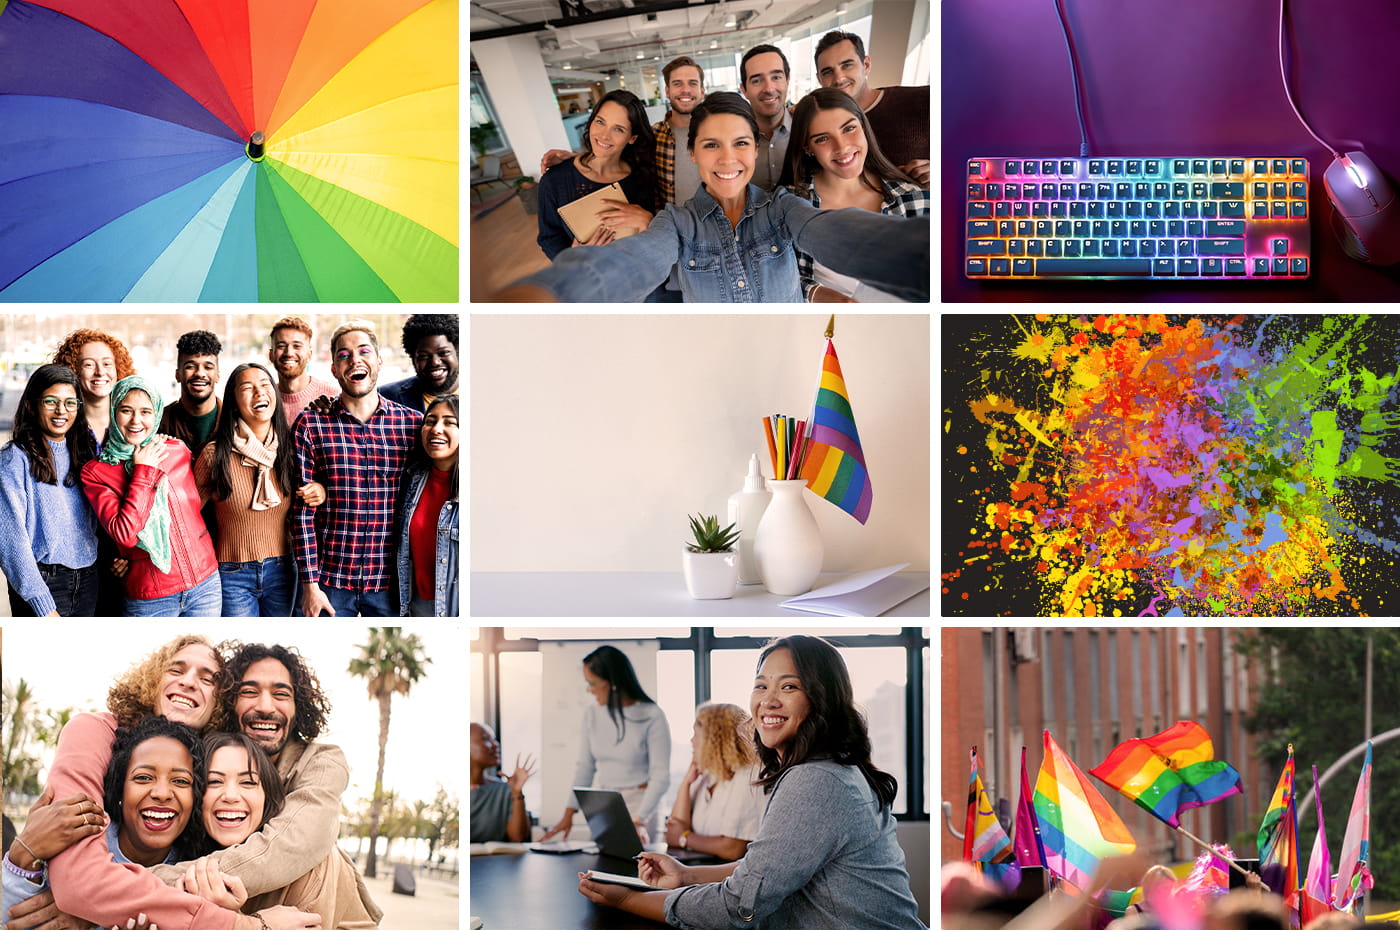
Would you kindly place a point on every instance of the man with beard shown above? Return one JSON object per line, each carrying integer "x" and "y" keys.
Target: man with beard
{"x": 290, "y": 353}
{"x": 191, "y": 421}
{"x": 763, "y": 78}
{"x": 356, "y": 451}
{"x": 276, "y": 699}
{"x": 431, "y": 343}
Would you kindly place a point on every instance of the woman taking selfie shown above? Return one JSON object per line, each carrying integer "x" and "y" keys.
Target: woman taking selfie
{"x": 826, "y": 855}
{"x": 49, "y": 550}
{"x": 733, "y": 241}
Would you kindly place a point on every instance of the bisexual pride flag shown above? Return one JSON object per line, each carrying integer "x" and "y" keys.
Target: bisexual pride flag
{"x": 1170, "y": 772}
{"x": 834, "y": 465}
{"x": 1078, "y": 828}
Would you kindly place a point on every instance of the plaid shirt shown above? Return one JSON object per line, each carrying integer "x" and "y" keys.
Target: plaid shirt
{"x": 902, "y": 199}
{"x": 345, "y": 542}
{"x": 665, "y": 162}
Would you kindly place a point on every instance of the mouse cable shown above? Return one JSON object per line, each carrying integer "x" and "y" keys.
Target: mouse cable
{"x": 1283, "y": 73}
{"x": 1074, "y": 73}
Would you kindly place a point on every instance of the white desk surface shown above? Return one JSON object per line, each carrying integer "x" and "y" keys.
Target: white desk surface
{"x": 638, "y": 594}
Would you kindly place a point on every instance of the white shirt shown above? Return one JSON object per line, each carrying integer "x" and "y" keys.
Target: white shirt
{"x": 734, "y": 809}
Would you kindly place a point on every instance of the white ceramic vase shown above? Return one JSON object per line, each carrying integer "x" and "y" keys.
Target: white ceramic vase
{"x": 788, "y": 543}
{"x": 710, "y": 575}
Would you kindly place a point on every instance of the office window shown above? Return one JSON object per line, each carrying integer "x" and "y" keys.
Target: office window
{"x": 521, "y": 733}
{"x": 675, "y": 694}
{"x": 603, "y": 634}
{"x": 1183, "y": 673}
{"x": 478, "y": 694}
{"x": 1070, "y": 680}
{"x": 1202, "y": 676}
{"x": 1047, "y": 679}
{"x": 1113, "y": 680}
{"x": 1137, "y": 682}
{"x": 1154, "y": 684}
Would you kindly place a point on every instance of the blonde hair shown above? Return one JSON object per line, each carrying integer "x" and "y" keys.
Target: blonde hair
{"x": 355, "y": 326}
{"x": 724, "y": 747}
{"x": 133, "y": 696}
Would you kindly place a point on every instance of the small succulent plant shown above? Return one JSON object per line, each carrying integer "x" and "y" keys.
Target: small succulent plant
{"x": 709, "y": 538}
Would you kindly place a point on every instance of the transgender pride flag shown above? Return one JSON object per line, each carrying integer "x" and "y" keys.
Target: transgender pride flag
{"x": 834, "y": 465}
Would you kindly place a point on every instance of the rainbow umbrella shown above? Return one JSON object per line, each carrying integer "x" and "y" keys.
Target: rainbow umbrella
{"x": 130, "y": 169}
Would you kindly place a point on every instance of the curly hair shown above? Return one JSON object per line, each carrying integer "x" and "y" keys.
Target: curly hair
{"x": 421, "y": 326}
{"x": 833, "y": 729}
{"x": 725, "y": 747}
{"x": 313, "y": 708}
{"x": 269, "y": 780}
{"x": 133, "y": 696}
{"x": 73, "y": 343}
{"x": 192, "y": 839}
{"x": 198, "y": 343}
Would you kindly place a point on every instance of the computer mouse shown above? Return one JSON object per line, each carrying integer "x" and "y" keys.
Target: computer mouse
{"x": 1366, "y": 217}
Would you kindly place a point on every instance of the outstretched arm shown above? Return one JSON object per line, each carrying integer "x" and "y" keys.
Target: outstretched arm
{"x": 291, "y": 844}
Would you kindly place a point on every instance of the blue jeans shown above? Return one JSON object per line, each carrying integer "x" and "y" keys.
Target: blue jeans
{"x": 260, "y": 588}
{"x": 74, "y": 592}
{"x": 204, "y": 600}
{"x": 348, "y": 603}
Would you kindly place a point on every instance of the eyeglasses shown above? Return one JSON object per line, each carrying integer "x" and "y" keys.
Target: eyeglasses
{"x": 51, "y": 403}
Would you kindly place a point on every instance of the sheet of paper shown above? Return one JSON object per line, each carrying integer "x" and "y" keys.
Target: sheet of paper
{"x": 618, "y": 879}
{"x": 863, "y": 594}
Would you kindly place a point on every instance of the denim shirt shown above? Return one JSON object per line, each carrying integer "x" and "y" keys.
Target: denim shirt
{"x": 750, "y": 262}
{"x": 445, "y": 602}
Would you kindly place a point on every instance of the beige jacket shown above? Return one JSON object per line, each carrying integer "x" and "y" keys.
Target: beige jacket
{"x": 334, "y": 890}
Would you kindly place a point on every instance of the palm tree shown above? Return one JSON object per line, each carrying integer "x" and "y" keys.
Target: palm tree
{"x": 390, "y": 662}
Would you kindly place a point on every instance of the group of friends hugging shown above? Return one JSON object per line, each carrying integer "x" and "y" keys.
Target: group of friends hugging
{"x": 200, "y": 799}
{"x": 293, "y": 495}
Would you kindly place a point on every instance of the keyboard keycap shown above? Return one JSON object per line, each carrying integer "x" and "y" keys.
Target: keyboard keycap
{"x": 1233, "y": 189}
{"x": 986, "y": 247}
{"x": 1234, "y": 266}
{"x": 1188, "y": 267}
{"x": 981, "y": 229}
{"x": 1066, "y": 268}
{"x": 1225, "y": 228}
{"x": 979, "y": 208}
{"x": 1298, "y": 266}
{"x": 1232, "y": 208}
{"x": 1220, "y": 247}
{"x": 1022, "y": 267}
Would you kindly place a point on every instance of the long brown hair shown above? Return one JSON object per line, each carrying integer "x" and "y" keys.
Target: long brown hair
{"x": 30, "y": 438}
{"x": 801, "y": 167}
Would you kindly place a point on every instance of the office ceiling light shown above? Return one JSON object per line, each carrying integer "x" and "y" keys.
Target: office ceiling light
{"x": 567, "y": 66}
{"x": 641, "y": 55}
{"x": 714, "y": 43}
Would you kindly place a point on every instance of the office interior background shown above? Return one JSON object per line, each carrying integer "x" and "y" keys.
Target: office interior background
{"x": 533, "y": 61}
{"x": 527, "y": 684}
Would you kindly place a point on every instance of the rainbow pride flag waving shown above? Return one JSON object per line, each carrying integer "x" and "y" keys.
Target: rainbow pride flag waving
{"x": 1170, "y": 772}
{"x": 1353, "y": 875}
{"x": 1078, "y": 828}
{"x": 985, "y": 841}
{"x": 834, "y": 465}
{"x": 1278, "y": 839}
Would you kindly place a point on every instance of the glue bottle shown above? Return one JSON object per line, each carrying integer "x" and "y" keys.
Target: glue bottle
{"x": 746, "y": 507}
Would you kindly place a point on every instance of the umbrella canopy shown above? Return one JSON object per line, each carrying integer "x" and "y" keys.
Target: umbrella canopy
{"x": 129, "y": 169}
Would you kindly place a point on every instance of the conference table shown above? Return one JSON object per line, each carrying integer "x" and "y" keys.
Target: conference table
{"x": 540, "y": 890}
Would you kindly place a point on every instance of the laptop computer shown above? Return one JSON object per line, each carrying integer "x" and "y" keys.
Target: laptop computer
{"x": 608, "y": 821}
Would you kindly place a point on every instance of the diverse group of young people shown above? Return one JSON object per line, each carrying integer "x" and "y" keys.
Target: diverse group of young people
{"x": 204, "y": 772}
{"x": 758, "y": 210}
{"x": 785, "y": 794}
{"x": 292, "y": 495}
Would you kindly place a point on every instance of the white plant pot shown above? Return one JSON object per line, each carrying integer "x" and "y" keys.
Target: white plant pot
{"x": 788, "y": 543}
{"x": 710, "y": 575}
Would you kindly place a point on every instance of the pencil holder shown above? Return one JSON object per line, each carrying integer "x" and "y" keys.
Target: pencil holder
{"x": 788, "y": 543}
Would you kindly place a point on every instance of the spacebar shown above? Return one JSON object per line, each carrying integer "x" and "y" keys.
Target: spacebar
{"x": 1054, "y": 268}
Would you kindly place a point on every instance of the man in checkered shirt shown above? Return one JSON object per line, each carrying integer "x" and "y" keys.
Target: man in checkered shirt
{"x": 357, "y": 450}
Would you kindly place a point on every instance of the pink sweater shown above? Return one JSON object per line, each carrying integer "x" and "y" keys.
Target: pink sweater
{"x": 86, "y": 881}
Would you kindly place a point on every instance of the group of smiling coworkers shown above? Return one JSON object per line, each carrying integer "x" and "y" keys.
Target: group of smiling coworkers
{"x": 826, "y": 200}
{"x": 199, "y": 799}
{"x": 295, "y": 494}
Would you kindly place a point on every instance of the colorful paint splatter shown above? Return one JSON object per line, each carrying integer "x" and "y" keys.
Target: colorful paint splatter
{"x": 1119, "y": 465}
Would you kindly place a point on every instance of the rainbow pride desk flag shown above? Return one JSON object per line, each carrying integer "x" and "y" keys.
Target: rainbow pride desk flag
{"x": 1078, "y": 828}
{"x": 1170, "y": 772}
{"x": 834, "y": 464}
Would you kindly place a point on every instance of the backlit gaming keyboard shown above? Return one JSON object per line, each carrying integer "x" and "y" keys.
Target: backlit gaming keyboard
{"x": 1161, "y": 218}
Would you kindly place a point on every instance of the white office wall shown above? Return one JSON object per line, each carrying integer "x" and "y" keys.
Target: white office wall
{"x": 562, "y": 703}
{"x": 593, "y": 436}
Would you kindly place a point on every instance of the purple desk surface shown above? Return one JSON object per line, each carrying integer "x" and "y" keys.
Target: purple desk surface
{"x": 1186, "y": 77}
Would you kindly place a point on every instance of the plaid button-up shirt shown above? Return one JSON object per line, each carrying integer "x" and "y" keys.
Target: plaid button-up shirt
{"x": 345, "y": 542}
{"x": 665, "y": 162}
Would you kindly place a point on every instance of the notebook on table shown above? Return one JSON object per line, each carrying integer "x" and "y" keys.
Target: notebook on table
{"x": 581, "y": 216}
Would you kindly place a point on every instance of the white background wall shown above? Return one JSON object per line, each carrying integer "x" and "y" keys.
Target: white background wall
{"x": 592, "y": 437}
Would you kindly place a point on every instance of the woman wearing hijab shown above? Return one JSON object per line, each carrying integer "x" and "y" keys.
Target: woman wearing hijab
{"x": 144, "y": 495}
{"x": 249, "y": 470}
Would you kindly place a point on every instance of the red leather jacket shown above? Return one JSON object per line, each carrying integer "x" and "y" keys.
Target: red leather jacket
{"x": 122, "y": 504}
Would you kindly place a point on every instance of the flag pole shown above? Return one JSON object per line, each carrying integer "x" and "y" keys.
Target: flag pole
{"x": 1241, "y": 870}
{"x": 831, "y": 327}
